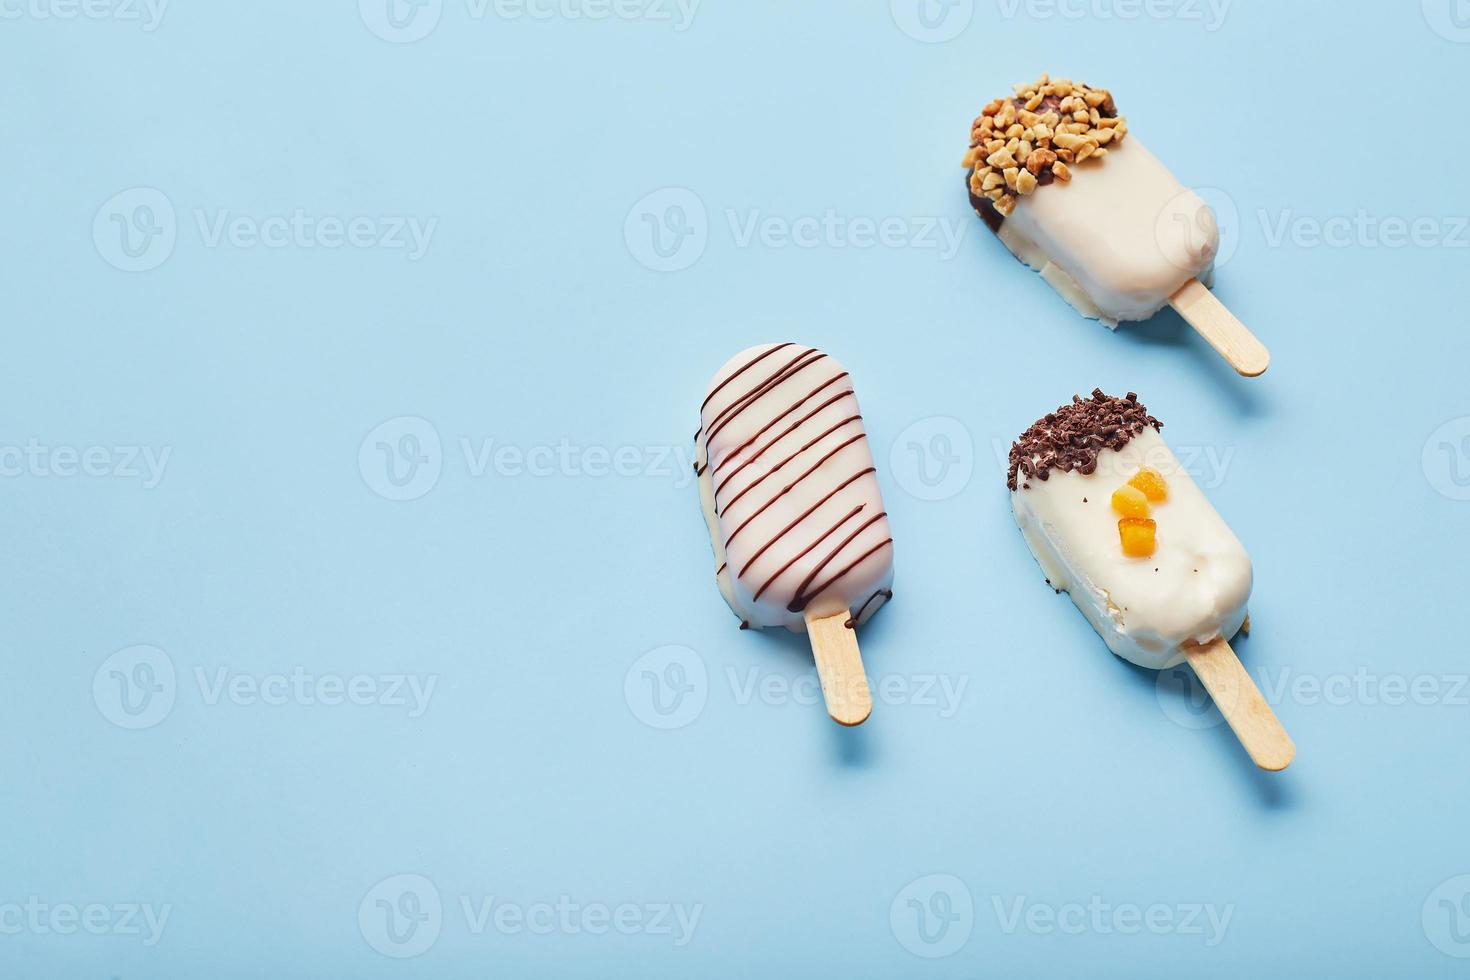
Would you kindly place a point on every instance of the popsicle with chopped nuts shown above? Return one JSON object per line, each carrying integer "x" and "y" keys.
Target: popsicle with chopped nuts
{"x": 795, "y": 516}
{"x": 1116, "y": 522}
{"x": 1055, "y": 173}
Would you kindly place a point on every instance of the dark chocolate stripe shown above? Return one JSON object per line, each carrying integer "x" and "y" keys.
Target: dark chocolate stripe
{"x": 856, "y": 617}
{"x": 739, "y": 371}
{"x": 804, "y": 515}
{"x": 718, "y": 427}
{"x": 847, "y": 421}
{"x": 769, "y": 425}
{"x": 740, "y": 398}
{"x": 806, "y": 551}
{"x": 754, "y": 457}
{"x": 786, "y": 489}
{"x": 735, "y": 409}
{"x": 799, "y": 603}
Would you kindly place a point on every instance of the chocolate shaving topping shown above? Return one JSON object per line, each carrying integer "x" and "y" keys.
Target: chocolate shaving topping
{"x": 1072, "y": 437}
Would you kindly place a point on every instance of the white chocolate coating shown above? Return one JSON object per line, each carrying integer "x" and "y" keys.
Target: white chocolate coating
{"x": 1119, "y": 238}
{"x": 789, "y": 490}
{"x": 1194, "y": 587}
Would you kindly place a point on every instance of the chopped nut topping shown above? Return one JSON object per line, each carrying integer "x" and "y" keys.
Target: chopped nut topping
{"x": 1040, "y": 160}
{"x": 1037, "y": 136}
{"x": 1001, "y": 159}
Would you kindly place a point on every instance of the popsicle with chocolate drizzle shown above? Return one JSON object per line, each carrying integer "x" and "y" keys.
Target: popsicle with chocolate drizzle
{"x": 795, "y": 516}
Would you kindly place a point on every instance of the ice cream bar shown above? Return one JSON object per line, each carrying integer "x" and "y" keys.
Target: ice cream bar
{"x": 1116, "y": 522}
{"x": 791, "y": 499}
{"x": 1055, "y": 173}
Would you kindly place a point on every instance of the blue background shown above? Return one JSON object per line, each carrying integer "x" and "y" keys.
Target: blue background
{"x": 533, "y": 318}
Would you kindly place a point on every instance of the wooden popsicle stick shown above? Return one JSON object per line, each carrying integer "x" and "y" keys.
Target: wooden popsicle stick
{"x": 840, "y": 666}
{"x": 1221, "y": 329}
{"x": 1240, "y": 701}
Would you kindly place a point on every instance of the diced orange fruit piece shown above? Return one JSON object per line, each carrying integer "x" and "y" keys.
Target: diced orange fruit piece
{"x": 1152, "y": 483}
{"x": 1137, "y": 534}
{"x": 1129, "y": 501}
